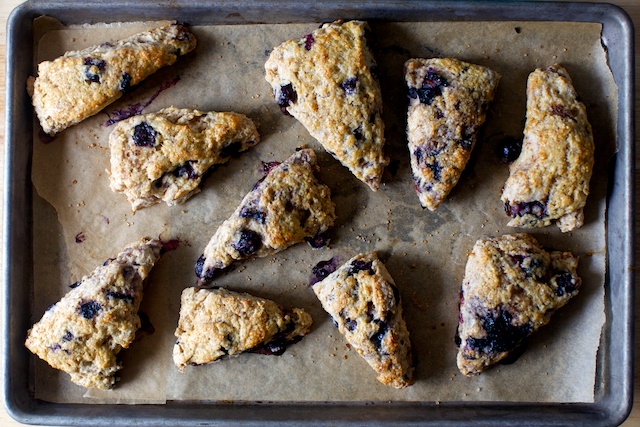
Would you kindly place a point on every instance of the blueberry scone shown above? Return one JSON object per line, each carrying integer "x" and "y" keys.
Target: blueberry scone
{"x": 511, "y": 288}
{"x": 365, "y": 305}
{"x": 79, "y": 84}
{"x": 448, "y": 101}
{"x": 83, "y": 332}
{"x": 549, "y": 181}
{"x": 215, "y": 323}
{"x": 162, "y": 156}
{"x": 325, "y": 81}
{"x": 286, "y": 207}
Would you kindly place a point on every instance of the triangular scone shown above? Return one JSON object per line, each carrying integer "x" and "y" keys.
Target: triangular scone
{"x": 81, "y": 83}
{"x": 325, "y": 81}
{"x": 216, "y": 322}
{"x": 549, "y": 181}
{"x": 83, "y": 332}
{"x": 448, "y": 101}
{"x": 283, "y": 209}
{"x": 163, "y": 155}
{"x": 365, "y": 305}
{"x": 511, "y": 288}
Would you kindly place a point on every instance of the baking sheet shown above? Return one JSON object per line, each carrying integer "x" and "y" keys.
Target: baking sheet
{"x": 226, "y": 73}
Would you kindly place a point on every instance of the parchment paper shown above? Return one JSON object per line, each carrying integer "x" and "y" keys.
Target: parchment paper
{"x": 425, "y": 252}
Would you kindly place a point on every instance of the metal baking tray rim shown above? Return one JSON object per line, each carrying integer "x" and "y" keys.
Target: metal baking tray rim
{"x": 613, "y": 399}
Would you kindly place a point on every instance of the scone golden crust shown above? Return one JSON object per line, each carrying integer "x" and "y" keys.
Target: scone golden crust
{"x": 215, "y": 323}
{"x": 511, "y": 288}
{"x": 448, "y": 101}
{"x": 365, "y": 305}
{"x": 286, "y": 207}
{"x": 79, "y": 84}
{"x": 163, "y": 155}
{"x": 549, "y": 181}
{"x": 83, "y": 332}
{"x": 324, "y": 80}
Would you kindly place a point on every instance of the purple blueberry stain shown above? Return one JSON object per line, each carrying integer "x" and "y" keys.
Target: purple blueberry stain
{"x": 90, "y": 309}
{"x": 144, "y": 135}
{"x": 266, "y": 169}
{"x": 135, "y": 109}
{"x": 117, "y": 115}
{"x": 269, "y": 166}
{"x": 68, "y": 336}
{"x": 349, "y": 86}
{"x": 286, "y": 95}
{"x": 170, "y": 245}
{"x": 323, "y": 269}
{"x": 248, "y": 243}
{"x": 80, "y": 237}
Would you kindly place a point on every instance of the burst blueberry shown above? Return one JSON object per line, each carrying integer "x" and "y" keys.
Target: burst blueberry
{"x": 186, "y": 170}
{"x": 430, "y": 88}
{"x": 323, "y": 269}
{"x": 376, "y": 338}
{"x": 318, "y": 241}
{"x": 248, "y": 242}
{"x": 253, "y": 213}
{"x": 125, "y": 82}
{"x": 349, "y": 86}
{"x": 502, "y": 333}
{"x": 509, "y": 149}
{"x": 90, "y": 309}
{"x": 535, "y": 208}
{"x": 360, "y": 265}
{"x": 93, "y": 68}
{"x": 144, "y": 135}
{"x": 566, "y": 284}
{"x": 285, "y": 96}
